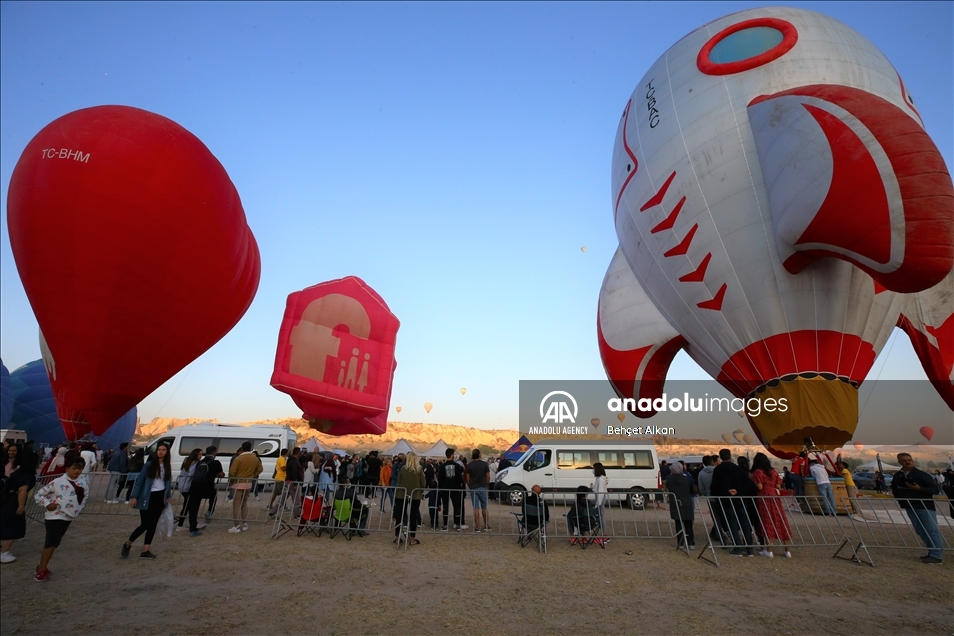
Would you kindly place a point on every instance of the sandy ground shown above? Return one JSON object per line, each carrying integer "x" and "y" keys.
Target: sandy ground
{"x": 222, "y": 583}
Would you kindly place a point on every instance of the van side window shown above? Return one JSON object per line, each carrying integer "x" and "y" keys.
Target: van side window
{"x": 578, "y": 459}
{"x": 229, "y": 446}
{"x": 165, "y": 440}
{"x": 609, "y": 459}
{"x": 540, "y": 459}
{"x": 188, "y": 444}
{"x": 267, "y": 447}
{"x": 638, "y": 459}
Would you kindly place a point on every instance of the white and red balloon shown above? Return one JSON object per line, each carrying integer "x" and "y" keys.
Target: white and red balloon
{"x": 779, "y": 208}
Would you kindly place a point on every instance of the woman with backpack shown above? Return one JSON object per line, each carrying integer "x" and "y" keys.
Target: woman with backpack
{"x": 151, "y": 493}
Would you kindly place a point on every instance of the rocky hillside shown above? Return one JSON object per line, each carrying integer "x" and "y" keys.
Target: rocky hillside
{"x": 418, "y": 435}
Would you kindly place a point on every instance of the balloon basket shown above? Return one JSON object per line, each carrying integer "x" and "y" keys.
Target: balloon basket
{"x": 812, "y": 505}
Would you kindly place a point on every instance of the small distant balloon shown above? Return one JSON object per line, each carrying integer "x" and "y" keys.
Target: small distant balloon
{"x": 398, "y": 409}
{"x": 927, "y": 432}
{"x": 859, "y": 446}
{"x": 428, "y": 406}
{"x": 726, "y": 438}
{"x": 583, "y": 249}
{"x": 463, "y": 390}
{"x": 748, "y": 438}
{"x": 595, "y": 422}
{"x": 621, "y": 416}
{"x": 738, "y": 434}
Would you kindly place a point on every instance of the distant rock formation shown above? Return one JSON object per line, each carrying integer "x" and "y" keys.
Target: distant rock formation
{"x": 420, "y": 436}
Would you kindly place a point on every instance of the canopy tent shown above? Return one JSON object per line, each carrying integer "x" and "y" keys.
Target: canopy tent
{"x": 437, "y": 450}
{"x": 313, "y": 445}
{"x": 873, "y": 465}
{"x": 516, "y": 451}
{"x": 400, "y": 446}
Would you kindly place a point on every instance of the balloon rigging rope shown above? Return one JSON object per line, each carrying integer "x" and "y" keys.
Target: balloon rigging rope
{"x": 894, "y": 337}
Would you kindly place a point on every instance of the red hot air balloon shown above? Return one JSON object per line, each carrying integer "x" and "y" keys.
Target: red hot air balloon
{"x": 134, "y": 252}
{"x": 335, "y": 356}
{"x": 927, "y": 432}
{"x": 859, "y": 446}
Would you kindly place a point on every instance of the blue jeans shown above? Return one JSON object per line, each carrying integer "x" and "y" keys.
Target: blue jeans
{"x": 828, "y": 498}
{"x": 798, "y": 485}
{"x": 925, "y": 524}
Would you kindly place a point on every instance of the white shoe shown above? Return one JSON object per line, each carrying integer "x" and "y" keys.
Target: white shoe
{"x": 6, "y": 557}
{"x": 464, "y": 526}
{"x": 235, "y": 530}
{"x": 244, "y": 527}
{"x": 179, "y": 528}
{"x": 788, "y": 555}
{"x": 766, "y": 553}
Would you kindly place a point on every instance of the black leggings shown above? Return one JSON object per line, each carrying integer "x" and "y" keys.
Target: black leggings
{"x": 149, "y": 518}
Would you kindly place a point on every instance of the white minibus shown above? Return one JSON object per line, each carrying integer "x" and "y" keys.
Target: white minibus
{"x": 228, "y": 438}
{"x": 562, "y": 465}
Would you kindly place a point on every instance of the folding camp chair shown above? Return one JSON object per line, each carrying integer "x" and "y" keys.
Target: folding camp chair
{"x": 588, "y": 526}
{"x": 341, "y": 519}
{"x": 532, "y": 525}
{"x": 314, "y": 516}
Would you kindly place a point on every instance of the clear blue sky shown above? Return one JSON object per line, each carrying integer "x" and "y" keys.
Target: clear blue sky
{"x": 454, "y": 156}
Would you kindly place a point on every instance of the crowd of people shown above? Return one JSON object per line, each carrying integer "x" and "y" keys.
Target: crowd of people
{"x": 745, "y": 499}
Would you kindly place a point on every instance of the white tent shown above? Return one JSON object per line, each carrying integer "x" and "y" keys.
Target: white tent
{"x": 400, "y": 446}
{"x": 873, "y": 465}
{"x": 313, "y": 445}
{"x": 437, "y": 450}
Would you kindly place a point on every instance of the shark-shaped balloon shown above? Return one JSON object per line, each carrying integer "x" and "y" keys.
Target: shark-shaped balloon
{"x": 780, "y": 209}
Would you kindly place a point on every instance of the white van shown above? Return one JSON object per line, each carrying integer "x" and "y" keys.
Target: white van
{"x": 228, "y": 438}
{"x": 561, "y": 466}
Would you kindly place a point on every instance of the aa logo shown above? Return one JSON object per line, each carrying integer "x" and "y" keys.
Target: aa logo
{"x": 557, "y": 410}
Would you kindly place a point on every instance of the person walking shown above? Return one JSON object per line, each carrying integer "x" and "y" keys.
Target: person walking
{"x": 64, "y": 499}
{"x": 151, "y": 493}
{"x": 242, "y": 470}
{"x": 203, "y": 485}
{"x": 477, "y": 478}
{"x": 407, "y": 498}
{"x": 600, "y": 488}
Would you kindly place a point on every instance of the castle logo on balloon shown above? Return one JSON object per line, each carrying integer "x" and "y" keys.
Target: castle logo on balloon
{"x": 779, "y": 209}
{"x": 335, "y": 356}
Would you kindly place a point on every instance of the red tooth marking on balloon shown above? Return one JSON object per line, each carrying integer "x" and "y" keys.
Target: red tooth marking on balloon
{"x": 715, "y": 303}
{"x": 879, "y": 288}
{"x": 658, "y": 197}
{"x": 683, "y": 247}
{"x": 669, "y": 221}
{"x": 699, "y": 274}
{"x": 632, "y": 156}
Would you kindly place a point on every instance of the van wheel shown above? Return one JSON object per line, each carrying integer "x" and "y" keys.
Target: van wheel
{"x": 636, "y": 500}
{"x": 515, "y": 495}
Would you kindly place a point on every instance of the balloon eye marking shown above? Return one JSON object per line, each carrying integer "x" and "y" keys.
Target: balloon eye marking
{"x": 629, "y": 167}
{"x": 746, "y": 45}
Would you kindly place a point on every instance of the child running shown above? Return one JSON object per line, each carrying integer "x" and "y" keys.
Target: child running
{"x": 63, "y": 498}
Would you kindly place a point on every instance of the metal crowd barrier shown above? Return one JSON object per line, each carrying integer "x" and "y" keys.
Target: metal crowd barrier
{"x": 103, "y": 499}
{"x": 743, "y": 525}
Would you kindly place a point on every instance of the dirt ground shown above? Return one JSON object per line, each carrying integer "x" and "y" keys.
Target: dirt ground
{"x": 222, "y": 583}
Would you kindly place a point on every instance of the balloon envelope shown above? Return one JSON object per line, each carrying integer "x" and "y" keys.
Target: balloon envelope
{"x": 335, "y": 356}
{"x": 428, "y": 406}
{"x": 726, "y": 438}
{"x": 927, "y": 432}
{"x": 34, "y": 411}
{"x": 398, "y": 409}
{"x": 463, "y": 391}
{"x": 6, "y": 396}
{"x": 779, "y": 267}
{"x": 133, "y": 249}
{"x": 859, "y": 446}
{"x": 748, "y": 438}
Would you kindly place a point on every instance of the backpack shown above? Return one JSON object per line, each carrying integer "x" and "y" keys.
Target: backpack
{"x": 201, "y": 474}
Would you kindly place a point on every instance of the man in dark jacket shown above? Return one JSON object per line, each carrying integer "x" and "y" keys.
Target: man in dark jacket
{"x": 450, "y": 481}
{"x": 915, "y": 489}
{"x": 730, "y": 482}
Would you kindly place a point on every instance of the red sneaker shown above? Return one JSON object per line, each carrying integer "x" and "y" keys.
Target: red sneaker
{"x": 42, "y": 575}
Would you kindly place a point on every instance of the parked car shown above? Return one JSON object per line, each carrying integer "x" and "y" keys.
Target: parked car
{"x": 864, "y": 479}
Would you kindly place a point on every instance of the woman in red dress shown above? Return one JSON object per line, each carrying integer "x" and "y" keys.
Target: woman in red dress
{"x": 769, "y": 503}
